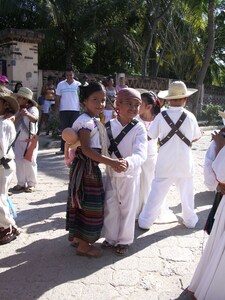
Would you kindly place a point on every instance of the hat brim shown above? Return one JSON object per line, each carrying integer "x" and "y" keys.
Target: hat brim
{"x": 221, "y": 114}
{"x": 31, "y": 100}
{"x": 12, "y": 102}
{"x": 166, "y": 96}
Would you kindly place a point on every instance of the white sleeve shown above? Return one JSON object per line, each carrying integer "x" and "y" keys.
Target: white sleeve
{"x": 139, "y": 154}
{"x": 209, "y": 175}
{"x": 83, "y": 123}
{"x": 218, "y": 166}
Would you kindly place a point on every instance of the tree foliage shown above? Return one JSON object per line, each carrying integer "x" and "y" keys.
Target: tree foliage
{"x": 147, "y": 37}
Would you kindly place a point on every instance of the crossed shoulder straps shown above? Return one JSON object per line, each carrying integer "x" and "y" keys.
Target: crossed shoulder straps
{"x": 115, "y": 142}
{"x": 174, "y": 129}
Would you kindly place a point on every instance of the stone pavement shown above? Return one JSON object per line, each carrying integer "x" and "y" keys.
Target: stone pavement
{"x": 40, "y": 263}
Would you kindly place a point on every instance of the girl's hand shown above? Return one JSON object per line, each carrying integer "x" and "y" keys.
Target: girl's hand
{"x": 24, "y": 112}
{"x": 221, "y": 188}
{"x": 219, "y": 139}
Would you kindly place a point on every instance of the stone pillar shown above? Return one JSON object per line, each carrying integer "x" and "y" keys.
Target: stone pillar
{"x": 19, "y": 55}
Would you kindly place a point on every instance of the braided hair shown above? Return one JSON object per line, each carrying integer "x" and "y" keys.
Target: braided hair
{"x": 151, "y": 98}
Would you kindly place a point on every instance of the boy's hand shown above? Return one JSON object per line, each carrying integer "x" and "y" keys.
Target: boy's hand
{"x": 119, "y": 165}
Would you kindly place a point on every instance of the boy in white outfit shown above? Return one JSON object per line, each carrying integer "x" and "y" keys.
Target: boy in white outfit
{"x": 122, "y": 189}
{"x": 176, "y": 129}
{"x": 8, "y": 107}
{"x": 27, "y": 124}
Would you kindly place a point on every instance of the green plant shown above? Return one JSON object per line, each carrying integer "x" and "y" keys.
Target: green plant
{"x": 210, "y": 114}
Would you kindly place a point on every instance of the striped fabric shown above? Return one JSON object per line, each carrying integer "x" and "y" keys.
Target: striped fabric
{"x": 84, "y": 217}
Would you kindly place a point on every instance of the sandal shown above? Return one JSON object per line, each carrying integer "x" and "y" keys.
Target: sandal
{"x": 106, "y": 245}
{"x": 7, "y": 236}
{"x": 91, "y": 252}
{"x": 121, "y": 249}
{"x": 29, "y": 189}
{"x": 18, "y": 188}
{"x": 75, "y": 242}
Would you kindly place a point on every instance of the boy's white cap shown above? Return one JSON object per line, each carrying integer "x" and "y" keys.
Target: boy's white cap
{"x": 177, "y": 90}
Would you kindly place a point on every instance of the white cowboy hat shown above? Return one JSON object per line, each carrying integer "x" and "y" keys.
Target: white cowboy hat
{"x": 26, "y": 93}
{"x": 221, "y": 114}
{"x": 7, "y": 96}
{"x": 177, "y": 90}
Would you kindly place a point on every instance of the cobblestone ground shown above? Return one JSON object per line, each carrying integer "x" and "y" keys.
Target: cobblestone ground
{"x": 40, "y": 263}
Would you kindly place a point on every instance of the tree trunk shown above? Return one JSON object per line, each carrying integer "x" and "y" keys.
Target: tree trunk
{"x": 147, "y": 49}
{"x": 207, "y": 57}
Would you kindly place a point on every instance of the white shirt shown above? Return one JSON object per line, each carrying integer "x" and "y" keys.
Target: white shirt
{"x": 175, "y": 157}
{"x": 152, "y": 144}
{"x": 84, "y": 121}
{"x": 27, "y": 126}
{"x": 7, "y": 136}
{"x": 133, "y": 148}
{"x": 69, "y": 95}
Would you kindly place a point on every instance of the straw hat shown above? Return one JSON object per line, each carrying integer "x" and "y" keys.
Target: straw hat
{"x": 221, "y": 114}
{"x": 7, "y": 96}
{"x": 177, "y": 90}
{"x": 26, "y": 93}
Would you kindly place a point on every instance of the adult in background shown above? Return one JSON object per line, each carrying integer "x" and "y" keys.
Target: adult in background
{"x": 121, "y": 84}
{"x": 67, "y": 100}
{"x": 48, "y": 92}
{"x": 17, "y": 87}
{"x": 27, "y": 124}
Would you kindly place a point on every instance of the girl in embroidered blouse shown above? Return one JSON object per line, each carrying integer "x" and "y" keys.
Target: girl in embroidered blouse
{"x": 85, "y": 205}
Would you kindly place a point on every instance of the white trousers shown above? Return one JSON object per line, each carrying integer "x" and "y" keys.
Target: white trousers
{"x": 122, "y": 194}
{"x": 159, "y": 190}
{"x": 26, "y": 171}
{"x": 6, "y": 220}
{"x": 147, "y": 175}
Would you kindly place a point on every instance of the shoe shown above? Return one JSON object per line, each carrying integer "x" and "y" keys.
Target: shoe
{"x": 60, "y": 152}
{"x": 29, "y": 189}
{"x": 166, "y": 216}
{"x": 106, "y": 245}
{"x": 190, "y": 225}
{"x": 7, "y": 236}
{"x": 121, "y": 249}
{"x": 15, "y": 231}
{"x": 18, "y": 188}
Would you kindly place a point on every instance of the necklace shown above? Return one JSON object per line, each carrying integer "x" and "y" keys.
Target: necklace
{"x": 147, "y": 124}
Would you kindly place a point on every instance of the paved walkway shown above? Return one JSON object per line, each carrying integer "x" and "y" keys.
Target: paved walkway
{"x": 40, "y": 263}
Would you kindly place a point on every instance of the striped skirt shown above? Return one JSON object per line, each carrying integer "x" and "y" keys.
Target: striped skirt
{"x": 84, "y": 216}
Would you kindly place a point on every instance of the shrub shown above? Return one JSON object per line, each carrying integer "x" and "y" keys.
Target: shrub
{"x": 210, "y": 114}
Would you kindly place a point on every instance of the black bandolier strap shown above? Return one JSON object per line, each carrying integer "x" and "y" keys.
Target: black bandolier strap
{"x": 4, "y": 161}
{"x": 174, "y": 129}
{"x": 115, "y": 142}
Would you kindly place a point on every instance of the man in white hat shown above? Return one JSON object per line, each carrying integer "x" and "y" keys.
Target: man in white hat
{"x": 176, "y": 129}
{"x": 27, "y": 123}
{"x": 8, "y": 107}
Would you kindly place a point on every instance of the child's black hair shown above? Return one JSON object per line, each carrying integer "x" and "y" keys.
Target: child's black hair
{"x": 151, "y": 98}
{"x": 92, "y": 87}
